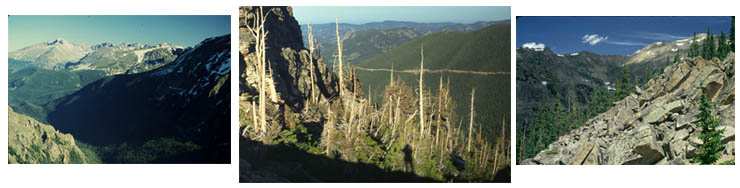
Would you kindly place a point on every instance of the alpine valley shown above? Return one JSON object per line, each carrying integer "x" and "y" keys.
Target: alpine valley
{"x": 122, "y": 103}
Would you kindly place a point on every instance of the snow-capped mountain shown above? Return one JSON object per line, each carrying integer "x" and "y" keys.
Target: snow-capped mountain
{"x": 113, "y": 59}
{"x": 186, "y": 99}
{"x": 50, "y": 54}
{"x": 659, "y": 51}
{"x": 126, "y": 58}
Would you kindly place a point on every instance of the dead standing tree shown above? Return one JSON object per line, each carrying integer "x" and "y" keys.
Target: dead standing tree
{"x": 421, "y": 95}
{"x": 339, "y": 56}
{"x": 470, "y": 130}
{"x": 257, "y": 31}
{"x": 311, "y": 65}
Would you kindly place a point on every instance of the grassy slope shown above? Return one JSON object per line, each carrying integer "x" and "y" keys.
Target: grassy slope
{"x": 487, "y": 49}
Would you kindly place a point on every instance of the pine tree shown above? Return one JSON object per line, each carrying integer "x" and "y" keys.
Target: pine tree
{"x": 624, "y": 85}
{"x": 557, "y": 113}
{"x": 711, "y": 148}
{"x": 694, "y": 48}
{"x": 722, "y": 47}
{"x": 572, "y": 109}
{"x": 732, "y": 35}
{"x": 708, "y": 46}
{"x": 677, "y": 57}
{"x": 667, "y": 61}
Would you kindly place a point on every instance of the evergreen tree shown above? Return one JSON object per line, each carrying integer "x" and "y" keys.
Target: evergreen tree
{"x": 722, "y": 47}
{"x": 711, "y": 148}
{"x": 539, "y": 130}
{"x": 677, "y": 57}
{"x": 559, "y": 115}
{"x": 600, "y": 102}
{"x": 708, "y": 50}
{"x": 732, "y": 35}
{"x": 572, "y": 109}
{"x": 694, "y": 48}
{"x": 624, "y": 85}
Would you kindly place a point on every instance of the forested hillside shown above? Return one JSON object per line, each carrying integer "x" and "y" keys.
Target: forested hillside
{"x": 295, "y": 109}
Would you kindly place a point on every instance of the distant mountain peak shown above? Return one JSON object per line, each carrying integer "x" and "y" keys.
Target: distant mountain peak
{"x": 59, "y": 40}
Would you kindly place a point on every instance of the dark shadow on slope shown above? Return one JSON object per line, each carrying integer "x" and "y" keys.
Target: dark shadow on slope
{"x": 281, "y": 163}
{"x": 408, "y": 159}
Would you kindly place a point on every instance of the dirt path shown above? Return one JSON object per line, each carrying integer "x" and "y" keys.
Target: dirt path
{"x": 416, "y": 71}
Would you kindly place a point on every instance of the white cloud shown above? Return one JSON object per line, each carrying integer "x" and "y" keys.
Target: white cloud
{"x": 535, "y": 46}
{"x": 659, "y": 36}
{"x": 625, "y": 43}
{"x": 593, "y": 39}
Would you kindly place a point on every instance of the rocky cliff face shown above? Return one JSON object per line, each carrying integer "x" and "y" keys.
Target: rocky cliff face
{"x": 287, "y": 59}
{"x": 655, "y": 125}
{"x": 30, "y": 141}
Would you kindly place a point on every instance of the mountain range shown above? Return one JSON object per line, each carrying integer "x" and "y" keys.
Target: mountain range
{"x": 362, "y": 41}
{"x": 135, "y": 103}
{"x": 112, "y": 59}
{"x": 542, "y": 74}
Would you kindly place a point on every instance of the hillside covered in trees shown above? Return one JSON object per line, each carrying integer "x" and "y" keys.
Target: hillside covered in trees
{"x": 645, "y": 117}
{"x": 304, "y": 121}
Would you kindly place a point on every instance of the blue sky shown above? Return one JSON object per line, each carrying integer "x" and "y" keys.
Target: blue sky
{"x": 178, "y": 30}
{"x": 611, "y": 35}
{"x": 360, "y": 15}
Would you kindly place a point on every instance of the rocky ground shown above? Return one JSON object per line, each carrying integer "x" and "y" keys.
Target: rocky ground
{"x": 30, "y": 141}
{"x": 655, "y": 125}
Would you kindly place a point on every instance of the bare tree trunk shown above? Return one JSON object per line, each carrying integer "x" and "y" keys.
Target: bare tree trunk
{"x": 391, "y": 80}
{"x": 257, "y": 30}
{"x": 495, "y": 159}
{"x": 439, "y": 110}
{"x": 339, "y": 56}
{"x": 328, "y": 132}
{"x": 421, "y": 94}
{"x": 254, "y": 118}
{"x": 311, "y": 65}
{"x": 470, "y": 130}
{"x": 503, "y": 137}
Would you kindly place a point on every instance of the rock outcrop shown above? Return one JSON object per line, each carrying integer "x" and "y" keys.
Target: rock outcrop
{"x": 655, "y": 125}
{"x": 30, "y": 141}
{"x": 289, "y": 67}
